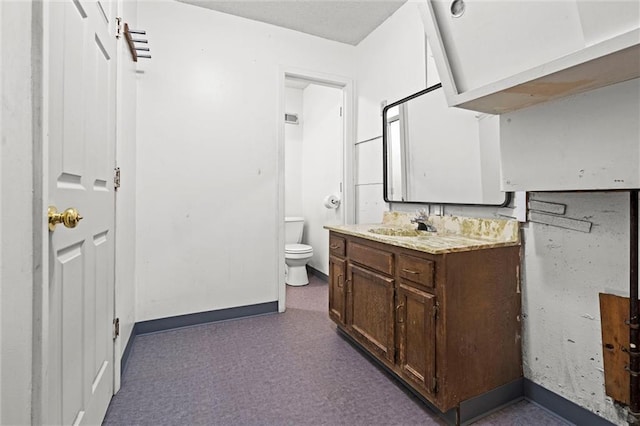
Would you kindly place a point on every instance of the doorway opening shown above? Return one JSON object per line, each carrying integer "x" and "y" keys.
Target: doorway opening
{"x": 315, "y": 162}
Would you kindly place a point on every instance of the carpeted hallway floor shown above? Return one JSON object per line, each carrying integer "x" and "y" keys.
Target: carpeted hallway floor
{"x": 279, "y": 369}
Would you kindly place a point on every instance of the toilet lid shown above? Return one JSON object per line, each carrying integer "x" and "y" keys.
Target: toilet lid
{"x": 298, "y": 248}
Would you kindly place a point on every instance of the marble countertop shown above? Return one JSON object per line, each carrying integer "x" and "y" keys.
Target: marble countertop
{"x": 454, "y": 234}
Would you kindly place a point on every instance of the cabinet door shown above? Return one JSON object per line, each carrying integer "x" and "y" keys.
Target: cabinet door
{"x": 370, "y": 310}
{"x": 337, "y": 278}
{"x": 417, "y": 340}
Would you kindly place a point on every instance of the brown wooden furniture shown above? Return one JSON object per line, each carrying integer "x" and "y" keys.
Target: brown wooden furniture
{"x": 614, "y": 318}
{"x": 448, "y": 325}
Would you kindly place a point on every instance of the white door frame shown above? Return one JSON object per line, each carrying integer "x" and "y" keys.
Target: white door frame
{"x": 347, "y": 86}
{"x": 22, "y": 229}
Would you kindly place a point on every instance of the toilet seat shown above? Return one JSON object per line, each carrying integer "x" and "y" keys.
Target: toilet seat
{"x": 298, "y": 248}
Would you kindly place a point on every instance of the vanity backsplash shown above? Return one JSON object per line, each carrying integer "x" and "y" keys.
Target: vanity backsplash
{"x": 451, "y": 234}
{"x": 492, "y": 229}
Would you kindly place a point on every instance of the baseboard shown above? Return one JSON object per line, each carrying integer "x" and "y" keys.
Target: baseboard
{"x": 482, "y": 405}
{"x": 561, "y": 406}
{"x": 169, "y": 323}
{"x": 188, "y": 320}
{"x": 313, "y": 271}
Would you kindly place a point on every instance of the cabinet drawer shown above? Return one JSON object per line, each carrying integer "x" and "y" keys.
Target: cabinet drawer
{"x": 337, "y": 246}
{"x": 378, "y": 260}
{"x": 417, "y": 270}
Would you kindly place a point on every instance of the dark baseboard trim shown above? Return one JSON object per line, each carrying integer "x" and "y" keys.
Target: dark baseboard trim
{"x": 561, "y": 406}
{"x": 163, "y": 324}
{"x": 491, "y": 401}
{"x": 188, "y": 320}
{"x": 313, "y": 271}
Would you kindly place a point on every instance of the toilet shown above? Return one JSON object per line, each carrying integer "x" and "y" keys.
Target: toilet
{"x": 296, "y": 255}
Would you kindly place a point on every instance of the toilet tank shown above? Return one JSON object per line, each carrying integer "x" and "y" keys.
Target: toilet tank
{"x": 293, "y": 227}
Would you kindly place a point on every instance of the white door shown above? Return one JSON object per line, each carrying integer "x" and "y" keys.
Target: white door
{"x": 80, "y": 72}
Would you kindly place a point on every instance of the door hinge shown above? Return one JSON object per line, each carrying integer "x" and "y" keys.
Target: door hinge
{"x": 118, "y": 27}
{"x": 434, "y": 386}
{"x": 340, "y": 111}
{"x": 436, "y": 309}
{"x": 116, "y": 178}
{"x": 116, "y": 328}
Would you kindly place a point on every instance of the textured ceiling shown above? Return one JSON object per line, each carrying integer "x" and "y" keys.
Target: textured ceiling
{"x": 345, "y": 21}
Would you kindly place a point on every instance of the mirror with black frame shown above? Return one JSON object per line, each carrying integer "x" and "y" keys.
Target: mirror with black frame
{"x": 436, "y": 154}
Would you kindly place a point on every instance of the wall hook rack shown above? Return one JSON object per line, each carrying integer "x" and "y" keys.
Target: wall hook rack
{"x": 133, "y": 47}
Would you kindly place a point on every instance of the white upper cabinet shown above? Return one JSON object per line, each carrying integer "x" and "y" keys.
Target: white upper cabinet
{"x": 500, "y": 56}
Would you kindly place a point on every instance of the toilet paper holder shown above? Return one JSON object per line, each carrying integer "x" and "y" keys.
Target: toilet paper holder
{"x": 331, "y": 201}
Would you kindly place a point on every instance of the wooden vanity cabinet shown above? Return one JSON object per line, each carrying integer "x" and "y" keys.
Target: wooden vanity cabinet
{"x": 448, "y": 325}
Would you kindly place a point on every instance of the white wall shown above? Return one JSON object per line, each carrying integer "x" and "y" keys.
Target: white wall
{"x": 391, "y": 66}
{"x": 321, "y": 168}
{"x": 293, "y": 146}
{"x": 207, "y": 156}
{"x": 126, "y": 195}
{"x": 563, "y": 273}
{"x": 20, "y": 202}
{"x": 369, "y": 198}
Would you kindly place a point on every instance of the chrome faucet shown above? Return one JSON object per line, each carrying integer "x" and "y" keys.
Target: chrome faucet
{"x": 421, "y": 219}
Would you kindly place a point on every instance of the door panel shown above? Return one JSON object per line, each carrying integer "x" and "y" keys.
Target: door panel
{"x": 416, "y": 317}
{"x": 71, "y": 265}
{"x": 370, "y": 310}
{"x": 81, "y": 150}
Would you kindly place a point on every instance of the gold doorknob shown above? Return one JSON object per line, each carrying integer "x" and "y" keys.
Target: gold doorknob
{"x": 70, "y": 217}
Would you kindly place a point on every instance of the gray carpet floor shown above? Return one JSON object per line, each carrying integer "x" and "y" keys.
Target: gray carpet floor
{"x": 278, "y": 369}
